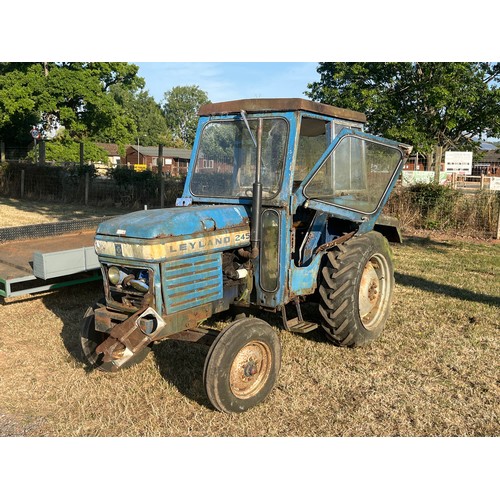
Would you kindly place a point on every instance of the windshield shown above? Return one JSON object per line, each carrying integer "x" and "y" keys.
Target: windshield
{"x": 227, "y": 157}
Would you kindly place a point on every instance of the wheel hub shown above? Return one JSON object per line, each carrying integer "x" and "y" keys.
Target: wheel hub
{"x": 250, "y": 370}
{"x": 372, "y": 291}
{"x": 368, "y": 290}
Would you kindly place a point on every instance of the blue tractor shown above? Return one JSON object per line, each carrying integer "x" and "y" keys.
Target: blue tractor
{"x": 282, "y": 205}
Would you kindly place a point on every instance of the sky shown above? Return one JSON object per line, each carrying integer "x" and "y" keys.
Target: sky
{"x": 227, "y": 81}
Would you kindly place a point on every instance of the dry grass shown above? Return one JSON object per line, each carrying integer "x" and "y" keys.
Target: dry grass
{"x": 15, "y": 212}
{"x": 434, "y": 372}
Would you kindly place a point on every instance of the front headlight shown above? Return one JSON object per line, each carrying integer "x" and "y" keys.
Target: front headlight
{"x": 139, "y": 285}
{"x": 124, "y": 277}
{"x": 115, "y": 275}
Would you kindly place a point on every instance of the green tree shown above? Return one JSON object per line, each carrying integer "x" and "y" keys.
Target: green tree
{"x": 149, "y": 123}
{"x": 181, "y": 108}
{"x": 75, "y": 95}
{"x": 65, "y": 149}
{"x": 427, "y": 104}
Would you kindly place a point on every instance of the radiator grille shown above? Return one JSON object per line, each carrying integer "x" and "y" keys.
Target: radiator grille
{"x": 192, "y": 281}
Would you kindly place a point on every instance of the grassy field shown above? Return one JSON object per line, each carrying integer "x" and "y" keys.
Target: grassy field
{"x": 434, "y": 372}
{"x": 24, "y": 212}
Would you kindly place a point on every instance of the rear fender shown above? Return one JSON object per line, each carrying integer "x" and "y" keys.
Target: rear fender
{"x": 389, "y": 227}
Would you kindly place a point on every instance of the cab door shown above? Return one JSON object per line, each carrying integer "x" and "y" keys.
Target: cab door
{"x": 354, "y": 176}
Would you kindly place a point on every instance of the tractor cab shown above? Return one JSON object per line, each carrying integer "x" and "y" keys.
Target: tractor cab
{"x": 321, "y": 177}
{"x": 293, "y": 133}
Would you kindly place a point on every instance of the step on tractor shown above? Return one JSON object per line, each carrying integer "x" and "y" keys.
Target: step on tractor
{"x": 281, "y": 206}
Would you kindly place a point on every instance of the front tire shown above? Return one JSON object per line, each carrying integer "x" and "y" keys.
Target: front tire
{"x": 357, "y": 283}
{"x": 242, "y": 365}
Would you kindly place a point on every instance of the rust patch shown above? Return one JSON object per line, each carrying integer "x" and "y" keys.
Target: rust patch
{"x": 199, "y": 335}
{"x": 279, "y": 104}
{"x": 335, "y": 242}
{"x": 123, "y": 335}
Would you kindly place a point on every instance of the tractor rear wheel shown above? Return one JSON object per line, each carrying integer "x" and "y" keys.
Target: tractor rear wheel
{"x": 242, "y": 365}
{"x": 356, "y": 287}
{"x": 90, "y": 338}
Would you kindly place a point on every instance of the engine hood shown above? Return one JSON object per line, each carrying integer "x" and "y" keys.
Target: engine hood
{"x": 175, "y": 222}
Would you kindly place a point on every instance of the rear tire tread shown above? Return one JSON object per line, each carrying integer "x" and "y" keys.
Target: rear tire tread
{"x": 339, "y": 289}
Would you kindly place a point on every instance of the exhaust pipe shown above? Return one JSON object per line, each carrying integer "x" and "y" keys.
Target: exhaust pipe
{"x": 255, "y": 230}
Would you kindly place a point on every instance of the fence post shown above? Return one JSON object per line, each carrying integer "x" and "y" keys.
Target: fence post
{"x": 481, "y": 185}
{"x": 87, "y": 186}
{"x": 81, "y": 154}
{"x": 498, "y": 223}
{"x": 41, "y": 156}
{"x": 2, "y": 151}
{"x": 162, "y": 191}
{"x": 22, "y": 182}
{"x": 159, "y": 163}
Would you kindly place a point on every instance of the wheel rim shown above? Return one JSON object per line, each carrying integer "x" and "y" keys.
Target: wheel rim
{"x": 250, "y": 369}
{"x": 373, "y": 291}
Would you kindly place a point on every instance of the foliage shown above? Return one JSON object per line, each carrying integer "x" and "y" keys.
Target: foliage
{"x": 148, "y": 121}
{"x": 219, "y": 140}
{"x": 73, "y": 95}
{"x": 436, "y": 203}
{"x": 181, "y": 107}
{"x": 125, "y": 176}
{"x": 99, "y": 101}
{"x": 448, "y": 104}
{"x": 138, "y": 188}
{"x": 65, "y": 149}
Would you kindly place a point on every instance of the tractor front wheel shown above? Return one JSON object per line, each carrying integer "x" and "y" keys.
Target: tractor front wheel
{"x": 242, "y": 365}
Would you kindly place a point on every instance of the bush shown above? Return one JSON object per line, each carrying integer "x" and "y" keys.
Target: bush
{"x": 436, "y": 204}
{"x": 64, "y": 149}
{"x": 143, "y": 188}
{"x": 431, "y": 206}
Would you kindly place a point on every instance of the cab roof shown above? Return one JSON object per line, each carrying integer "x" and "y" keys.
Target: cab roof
{"x": 279, "y": 104}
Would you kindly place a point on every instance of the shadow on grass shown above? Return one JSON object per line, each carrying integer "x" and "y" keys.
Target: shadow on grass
{"x": 448, "y": 290}
{"x": 428, "y": 243}
{"x": 181, "y": 364}
{"x": 69, "y": 305}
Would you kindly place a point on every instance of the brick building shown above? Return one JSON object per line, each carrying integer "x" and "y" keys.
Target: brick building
{"x": 488, "y": 163}
{"x": 175, "y": 161}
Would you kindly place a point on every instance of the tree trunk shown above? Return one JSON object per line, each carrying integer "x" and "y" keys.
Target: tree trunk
{"x": 438, "y": 153}
{"x": 41, "y": 155}
{"x": 429, "y": 158}
{"x": 81, "y": 154}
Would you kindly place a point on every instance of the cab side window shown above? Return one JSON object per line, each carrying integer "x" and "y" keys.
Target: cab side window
{"x": 313, "y": 140}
